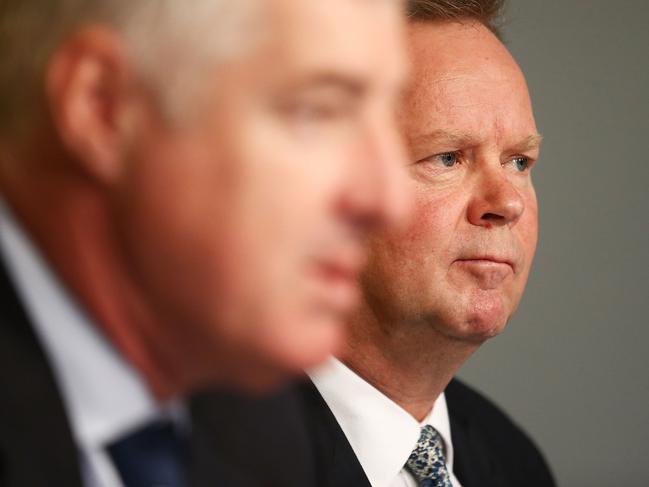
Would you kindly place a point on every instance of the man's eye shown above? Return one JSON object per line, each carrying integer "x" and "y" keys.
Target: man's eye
{"x": 446, "y": 159}
{"x": 317, "y": 111}
{"x": 521, "y": 164}
{"x": 322, "y": 111}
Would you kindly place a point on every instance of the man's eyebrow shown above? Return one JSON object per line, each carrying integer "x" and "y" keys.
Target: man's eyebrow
{"x": 459, "y": 139}
{"x": 529, "y": 143}
{"x": 349, "y": 84}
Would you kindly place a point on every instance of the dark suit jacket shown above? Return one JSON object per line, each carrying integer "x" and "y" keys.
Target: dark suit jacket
{"x": 235, "y": 442}
{"x": 490, "y": 450}
{"x": 36, "y": 445}
{"x": 290, "y": 439}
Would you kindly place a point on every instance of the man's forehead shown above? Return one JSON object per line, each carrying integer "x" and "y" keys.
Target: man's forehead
{"x": 461, "y": 120}
{"x": 353, "y": 18}
{"x": 444, "y": 53}
{"x": 467, "y": 102}
{"x": 363, "y": 44}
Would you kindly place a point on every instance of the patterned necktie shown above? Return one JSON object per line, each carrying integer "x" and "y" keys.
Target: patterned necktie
{"x": 153, "y": 456}
{"x": 427, "y": 463}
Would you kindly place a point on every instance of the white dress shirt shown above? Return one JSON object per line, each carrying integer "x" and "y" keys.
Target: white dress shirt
{"x": 104, "y": 396}
{"x": 381, "y": 433}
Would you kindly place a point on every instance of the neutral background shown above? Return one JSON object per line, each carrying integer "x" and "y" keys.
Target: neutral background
{"x": 573, "y": 364}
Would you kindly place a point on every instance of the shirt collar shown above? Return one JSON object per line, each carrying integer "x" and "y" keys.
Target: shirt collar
{"x": 104, "y": 395}
{"x": 381, "y": 433}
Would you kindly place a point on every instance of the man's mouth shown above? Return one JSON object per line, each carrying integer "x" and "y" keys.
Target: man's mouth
{"x": 338, "y": 279}
{"x": 488, "y": 259}
{"x": 490, "y": 271}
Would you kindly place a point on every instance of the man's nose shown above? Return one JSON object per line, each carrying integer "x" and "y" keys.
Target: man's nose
{"x": 496, "y": 200}
{"x": 378, "y": 196}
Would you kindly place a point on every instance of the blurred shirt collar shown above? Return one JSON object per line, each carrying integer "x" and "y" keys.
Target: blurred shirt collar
{"x": 104, "y": 396}
{"x": 381, "y": 433}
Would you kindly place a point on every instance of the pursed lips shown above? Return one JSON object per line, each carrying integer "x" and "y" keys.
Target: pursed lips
{"x": 489, "y": 259}
{"x": 338, "y": 274}
{"x": 342, "y": 258}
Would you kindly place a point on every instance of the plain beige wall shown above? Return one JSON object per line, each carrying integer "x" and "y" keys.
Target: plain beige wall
{"x": 573, "y": 365}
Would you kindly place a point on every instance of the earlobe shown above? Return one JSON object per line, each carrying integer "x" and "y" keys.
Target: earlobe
{"x": 87, "y": 86}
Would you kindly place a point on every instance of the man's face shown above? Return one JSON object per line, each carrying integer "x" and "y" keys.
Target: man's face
{"x": 246, "y": 225}
{"x": 463, "y": 262}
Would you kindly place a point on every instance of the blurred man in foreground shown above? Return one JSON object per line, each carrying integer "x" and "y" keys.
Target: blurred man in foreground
{"x": 186, "y": 188}
{"x": 437, "y": 290}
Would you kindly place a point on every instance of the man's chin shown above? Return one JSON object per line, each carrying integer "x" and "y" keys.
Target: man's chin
{"x": 469, "y": 334}
{"x": 481, "y": 322}
{"x": 481, "y": 330}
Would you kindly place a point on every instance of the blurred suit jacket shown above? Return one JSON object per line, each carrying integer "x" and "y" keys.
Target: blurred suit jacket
{"x": 289, "y": 439}
{"x": 234, "y": 440}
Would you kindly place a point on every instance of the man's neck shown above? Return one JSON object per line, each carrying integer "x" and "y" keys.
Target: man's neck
{"x": 411, "y": 363}
{"x": 71, "y": 226}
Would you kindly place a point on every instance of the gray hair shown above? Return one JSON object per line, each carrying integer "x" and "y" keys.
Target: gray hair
{"x": 168, "y": 42}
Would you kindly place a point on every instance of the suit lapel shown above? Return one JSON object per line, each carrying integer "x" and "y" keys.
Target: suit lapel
{"x": 36, "y": 445}
{"x": 336, "y": 462}
{"x": 472, "y": 464}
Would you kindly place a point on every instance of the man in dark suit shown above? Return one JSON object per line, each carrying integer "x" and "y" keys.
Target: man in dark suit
{"x": 388, "y": 412}
{"x": 184, "y": 193}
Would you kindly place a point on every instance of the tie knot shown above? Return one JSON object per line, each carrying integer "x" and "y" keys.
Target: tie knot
{"x": 427, "y": 461}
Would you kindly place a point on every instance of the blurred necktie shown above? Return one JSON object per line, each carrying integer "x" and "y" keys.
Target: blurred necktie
{"x": 153, "y": 456}
{"x": 427, "y": 462}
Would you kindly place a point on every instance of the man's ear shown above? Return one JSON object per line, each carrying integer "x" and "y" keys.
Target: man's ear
{"x": 89, "y": 87}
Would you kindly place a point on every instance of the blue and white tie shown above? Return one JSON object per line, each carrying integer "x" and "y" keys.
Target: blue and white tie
{"x": 427, "y": 462}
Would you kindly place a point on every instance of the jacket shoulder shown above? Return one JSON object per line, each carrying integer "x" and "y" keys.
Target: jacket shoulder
{"x": 482, "y": 432}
